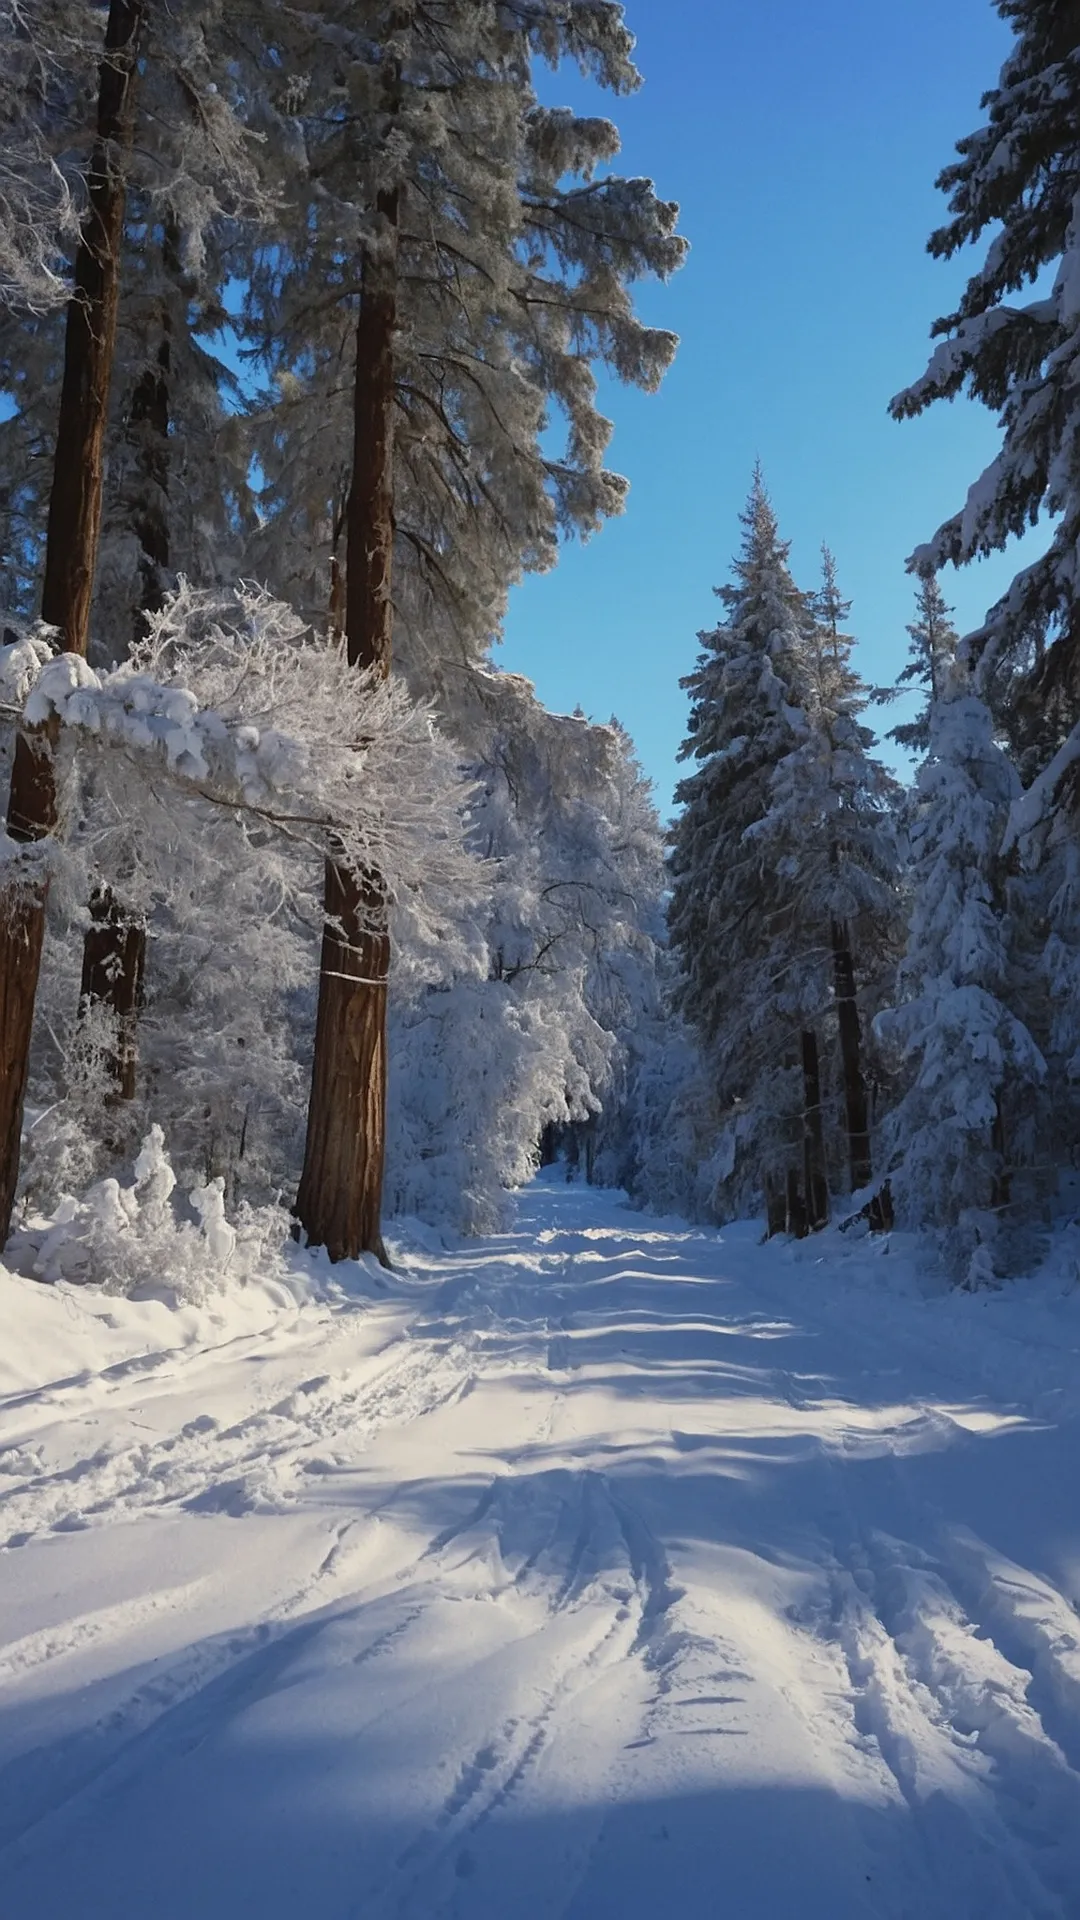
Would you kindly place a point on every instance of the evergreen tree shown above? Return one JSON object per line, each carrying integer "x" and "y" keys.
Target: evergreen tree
{"x": 932, "y": 649}
{"x": 830, "y": 832}
{"x": 518, "y": 247}
{"x": 972, "y": 1064}
{"x": 168, "y": 154}
{"x": 732, "y": 920}
{"x": 1018, "y": 179}
{"x": 454, "y": 244}
{"x": 75, "y": 500}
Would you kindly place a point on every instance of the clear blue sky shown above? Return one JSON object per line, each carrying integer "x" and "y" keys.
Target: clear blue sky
{"x": 802, "y": 142}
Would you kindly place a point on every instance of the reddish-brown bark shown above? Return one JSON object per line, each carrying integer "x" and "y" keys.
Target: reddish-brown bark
{"x": 89, "y": 343}
{"x": 339, "y": 1202}
{"x": 70, "y": 555}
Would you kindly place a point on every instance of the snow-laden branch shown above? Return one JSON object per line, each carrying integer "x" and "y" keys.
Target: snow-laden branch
{"x": 1034, "y": 806}
{"x": 231, "y": 704}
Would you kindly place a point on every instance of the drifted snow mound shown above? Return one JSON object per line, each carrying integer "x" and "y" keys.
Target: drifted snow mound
{"x": 126, "y": 1239}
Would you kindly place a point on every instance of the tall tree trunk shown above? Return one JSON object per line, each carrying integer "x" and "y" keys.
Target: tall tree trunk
{"x": 340, "y": 1199}
{"x": 339, "y": 1202}
{"x": 815, "y": 1177}
{"x": 855, "y": 1101}
{"x": 75, "y": 501}
{"x": 114, "y": 947}
{"x": 70, "y": 556}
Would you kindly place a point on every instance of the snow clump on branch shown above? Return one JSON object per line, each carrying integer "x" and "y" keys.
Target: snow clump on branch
{"x": 231, "y": 705}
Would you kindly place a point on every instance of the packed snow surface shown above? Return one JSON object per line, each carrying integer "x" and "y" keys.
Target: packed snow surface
{"x": 600, "y": 1569}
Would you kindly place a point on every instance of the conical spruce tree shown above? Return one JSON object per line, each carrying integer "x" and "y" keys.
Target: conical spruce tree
{"x": 960, "y": 1026}
{"x": 729, "y": 896}
{"x": 932, "y": 645}
{"x": 830, "y": 832}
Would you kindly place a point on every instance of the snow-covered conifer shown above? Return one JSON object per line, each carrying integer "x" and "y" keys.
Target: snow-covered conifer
{"x": 1017, "y": 179}
{"x": 959, "y": 1133}
{"x": 830, "y": 842}
{"x": 518, "y": 247}
{"x": 784, "y": 905}
{"x": 177, "y": 470}
{"x": 748, "y": 695}
{"x": 932, "y": 645}
{"x": 458, "y": 248}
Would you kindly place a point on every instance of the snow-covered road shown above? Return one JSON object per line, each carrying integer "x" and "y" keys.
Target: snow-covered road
{"x": 599, "y": 1571}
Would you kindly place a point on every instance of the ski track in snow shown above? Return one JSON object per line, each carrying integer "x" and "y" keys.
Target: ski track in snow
{"x": 602, "y": 1569}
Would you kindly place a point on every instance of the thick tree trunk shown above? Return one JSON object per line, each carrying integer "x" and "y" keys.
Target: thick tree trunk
{"x": 339, "y": 1202}
{"x": 75, "y": 500}
{"x": 855, "y": 1100}
{"x": 22, "y": 930}
{"x": 70, "y": 556}
{"x": 549, "y": 1145}
{"x": 340, "y": 1197}
{"x": 815, "y": 1178}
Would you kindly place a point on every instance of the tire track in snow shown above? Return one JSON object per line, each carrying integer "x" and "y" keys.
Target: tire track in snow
{"x": 1030, "y": 1620}
{"x": 175, "y": 1702}
{"x": 594, "y": 1587}
{"x": 249, "y": 1466}
{"x": 952, "y": 1718}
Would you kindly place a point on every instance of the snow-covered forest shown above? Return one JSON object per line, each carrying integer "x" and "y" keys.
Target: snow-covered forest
{"x": 336, "y": 968}
{"x": 304, "y": 314}
{"x": 293, "y": 873}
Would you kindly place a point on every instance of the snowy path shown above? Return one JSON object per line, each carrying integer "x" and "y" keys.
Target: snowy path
{"x": 596, "y": 1570}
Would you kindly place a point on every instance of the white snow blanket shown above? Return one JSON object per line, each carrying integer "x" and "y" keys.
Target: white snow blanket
{"x": 603, "y": 1570}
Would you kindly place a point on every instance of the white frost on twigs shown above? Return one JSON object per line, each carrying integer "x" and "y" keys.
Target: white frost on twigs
{"x": 21, "y": 661}
{"x": 230, "y": 702}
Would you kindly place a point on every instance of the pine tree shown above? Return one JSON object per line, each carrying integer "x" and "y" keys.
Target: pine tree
{"x": 70, "y": 556}
{"x": 487, "y": 285}
{"x": 830, "y": 832}
{"x": 732, "y": 916}
{"x": 156, "y": 75}
{"x": 960, "y": 1028}
{"x": 1018, "y": 179}
{"x": 518, "y": 248}
{"x": 933, "y": 642}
